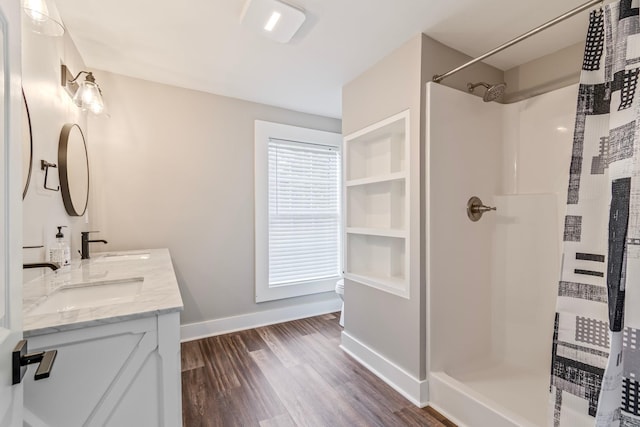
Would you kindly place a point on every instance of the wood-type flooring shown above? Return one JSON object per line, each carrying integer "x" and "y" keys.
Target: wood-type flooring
{"x": 289, "y": 374}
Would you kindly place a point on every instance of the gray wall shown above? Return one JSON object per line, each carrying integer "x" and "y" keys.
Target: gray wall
{"x": 438, "y": 58}
{"x": 390, "y": 325}
{"x": 547, "y": 73}
{"x": 387, "y": 323}
{"x": 50, "y": 108}
{"x": 174, "y": 168}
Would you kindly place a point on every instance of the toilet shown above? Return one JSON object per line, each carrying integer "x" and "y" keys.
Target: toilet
{"x": 340, "y": 292}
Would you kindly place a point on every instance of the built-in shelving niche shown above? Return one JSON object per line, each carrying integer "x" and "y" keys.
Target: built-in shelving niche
{"x": 377, "y": 205}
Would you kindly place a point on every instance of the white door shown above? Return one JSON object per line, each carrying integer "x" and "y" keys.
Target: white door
{"x": 10, "y": 209}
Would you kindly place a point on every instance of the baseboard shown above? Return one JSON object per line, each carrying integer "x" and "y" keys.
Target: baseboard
{"x": 209, "y": 328}
{"x": 415, "y": 390}
{"x": 466, "y": 407}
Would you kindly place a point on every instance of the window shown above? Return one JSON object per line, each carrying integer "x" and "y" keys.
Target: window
{"x": 297, "y": 212}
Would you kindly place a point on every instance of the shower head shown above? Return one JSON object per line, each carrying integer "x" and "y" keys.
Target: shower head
{"x": 492, "y": 93}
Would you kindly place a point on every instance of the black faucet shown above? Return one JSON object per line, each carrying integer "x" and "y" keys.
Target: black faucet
{"x": 50, "y": 265}
{"x": 84, "y": 253}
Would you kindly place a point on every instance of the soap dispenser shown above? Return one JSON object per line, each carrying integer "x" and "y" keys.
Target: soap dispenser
{"x": 60, "y": 253}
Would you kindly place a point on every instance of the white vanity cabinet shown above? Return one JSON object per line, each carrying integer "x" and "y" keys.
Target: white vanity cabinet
{"x": 118, "y": 374}
{"x": 115, "y": 322}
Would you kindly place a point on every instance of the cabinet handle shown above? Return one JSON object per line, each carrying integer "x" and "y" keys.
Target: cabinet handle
{"x": 44, "y": 368}
{"x": 20, "y": 360}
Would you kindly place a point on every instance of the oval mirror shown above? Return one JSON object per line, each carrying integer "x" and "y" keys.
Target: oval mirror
{"x": 27, "y": 147}
{"x": 73, "y": 164}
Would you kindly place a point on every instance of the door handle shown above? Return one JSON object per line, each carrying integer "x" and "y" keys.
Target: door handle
{"x": 20, "y": 360}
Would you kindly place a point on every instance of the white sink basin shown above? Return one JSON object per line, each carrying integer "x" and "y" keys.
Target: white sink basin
{"x": 123, "y": 257}
{"x": 88, "y": 295}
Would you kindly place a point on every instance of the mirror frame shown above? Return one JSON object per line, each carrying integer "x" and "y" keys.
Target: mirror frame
{"x": 63, "y": 169}
{"x": 26, "y": 184}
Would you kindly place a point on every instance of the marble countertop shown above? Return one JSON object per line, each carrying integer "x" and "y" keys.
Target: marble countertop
{"x": 108, "y": 288}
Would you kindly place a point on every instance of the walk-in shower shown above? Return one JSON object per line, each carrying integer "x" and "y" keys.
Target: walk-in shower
{"x": 507, "y": 344}
{"x": 497, "y": 353}
{"x": 492, "y": 284}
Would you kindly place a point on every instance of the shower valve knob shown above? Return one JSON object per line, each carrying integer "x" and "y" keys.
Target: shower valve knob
{"x": 482, "y": 209}
{"x": 475, "y": 208}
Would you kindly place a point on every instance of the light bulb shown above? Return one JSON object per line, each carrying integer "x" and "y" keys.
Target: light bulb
{"x": 36, "y": 10}
{"x": 43, "y": 17}
{"x": 88, "y": 97}
{"x": 97, "y": 106}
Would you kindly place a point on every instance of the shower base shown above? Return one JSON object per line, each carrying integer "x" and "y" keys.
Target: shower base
{"x": 496, "y": 394}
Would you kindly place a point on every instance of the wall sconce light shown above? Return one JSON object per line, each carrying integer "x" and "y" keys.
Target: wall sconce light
{"x": 43, "y": 17}
{"x": 86, "y": 94}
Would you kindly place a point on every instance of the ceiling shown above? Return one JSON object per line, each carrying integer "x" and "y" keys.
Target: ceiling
{"x": 201, "y": 44}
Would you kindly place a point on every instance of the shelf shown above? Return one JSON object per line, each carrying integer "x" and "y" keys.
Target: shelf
{"x": 377, "y": 150}
{"x": 394, "y": 285}
{"x": 376, "y": 192}
{"x": 377, "y": 205}
{"x": 391, "y": 125}
{"x": 376, "y": 179}
{"x": 383, "y": 232}
{"x": 377, "y": 261}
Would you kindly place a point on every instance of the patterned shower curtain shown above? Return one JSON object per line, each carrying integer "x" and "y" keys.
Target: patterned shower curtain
{"x": 595, "y": 378}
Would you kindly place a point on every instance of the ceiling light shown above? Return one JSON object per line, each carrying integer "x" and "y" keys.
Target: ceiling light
{"x": 43, "y": 17}
{"x": 87, "y": 94}
{"x": 273, "y": 19}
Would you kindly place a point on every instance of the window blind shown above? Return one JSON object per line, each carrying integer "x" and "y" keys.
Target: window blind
{"x": 304, "y": 212}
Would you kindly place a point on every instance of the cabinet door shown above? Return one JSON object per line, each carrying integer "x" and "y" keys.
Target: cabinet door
{"x": 111, "y": 375}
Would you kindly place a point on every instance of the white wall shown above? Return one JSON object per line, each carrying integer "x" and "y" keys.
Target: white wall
{"x": 175, "y": 168}
{"x": 538, "y": 138}
{"x": 50, "y": 108}
{"x": 524, "y": 281}
{"x": 464, "y": 159}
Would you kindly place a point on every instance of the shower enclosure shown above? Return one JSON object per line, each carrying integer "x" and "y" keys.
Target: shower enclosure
{"x": 492, "y": 284}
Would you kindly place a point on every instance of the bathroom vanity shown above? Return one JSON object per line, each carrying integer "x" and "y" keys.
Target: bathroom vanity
{"x": 115, "y": 321}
